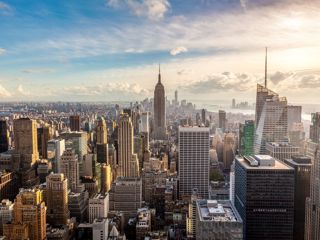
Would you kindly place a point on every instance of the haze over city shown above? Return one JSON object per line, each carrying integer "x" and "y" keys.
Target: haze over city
{"x": 109, "y": 50}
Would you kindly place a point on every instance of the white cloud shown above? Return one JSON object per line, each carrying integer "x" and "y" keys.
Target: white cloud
{"x": 178, "y": 50}
{"x": 244, "y": 4}
{"x": 153, "y": 9}
{"x": 133, "y": 50}
{"x": 4, "y": 6}
{"x": 22, "y": 91}
{"x": 38, "y": 70}
{"x": 2, "y": 51}
{"x": 4, "y": 93}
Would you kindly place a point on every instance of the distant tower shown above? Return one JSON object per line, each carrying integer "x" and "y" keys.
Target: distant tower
{"x": 233, "y": 103}
{"x": 4, "y": 137}
{"x": 57, "y": 199}
{"x": 176, "y": 97}
{"x": 75, "y": 123}
{"x": 222, "y": 120}
{"x": 25, "y": 139}
{"x": 128, "y": 161}
{"x": 203, "y": 116}
{"x": 70, "y": 168}
{"x": 102, "y": 141}
{"x": 159, "y": 111}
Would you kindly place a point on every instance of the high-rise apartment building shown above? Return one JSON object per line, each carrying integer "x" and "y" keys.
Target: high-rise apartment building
{"x": 70, "y": 168}
{"x": 25, "y": 141}
{"x": 222, "y": 120}
{"x": 302, "y": 170}
{"x": 159, "y": 111}
{"x": 75, "y": 122}
{"x": 193, "y": 161}
{"x": 312, "y": 217}
{"x": 29, "y": 217}
{"x": 229, "y": 148}
{"x": 128, "y": 161}
{"x": 102, "y": 141}
{"x": 264, "y": 197}
{"x": 4, "y": 136}
{"x": 57, "y": 199}
{"x": 281, "y": 150}
{"x": 271, "y": 118}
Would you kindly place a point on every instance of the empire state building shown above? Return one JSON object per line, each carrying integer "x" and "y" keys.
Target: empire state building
{"x": 159, "y": 110}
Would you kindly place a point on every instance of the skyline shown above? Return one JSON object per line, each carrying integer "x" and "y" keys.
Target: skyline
{"x": 110, "y": 50}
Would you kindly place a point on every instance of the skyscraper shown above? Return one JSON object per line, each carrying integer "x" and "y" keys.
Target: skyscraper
{"x": 203, "y": 116}
{"x": 222, "y": 120}
{"x": 294, "y": 115}
{"x": 315, "y": 127}
{"x": 312, "y": 217}
{"x": 4, "y": 137}
{"x": 159, "y": 109}
{"x": 57, "y": 199}
{"x": 106, "y": 178}
{"x": 29, "y": 216}
{"x": 193, "y": 161}
{"x": 281, "y": 150}
{"x": 128, "y": 161}
{"x": 56, "y": 148}
{"x": 302, "y": 168}
{"x": 176, "y": 97}
{"x": 74, "y": 123}
{"x": 271, "y": 118}
{"x": 70, "y": 168}
{"x": 44, "y": 135}
{"x": 102, "y": 141}
{"x": 229, "y": 145}
{"x": 25, "y": 140}
{"x": 264, "y": 197}
{"x": 98, "y": 206}
{"x": 246, "y": 138}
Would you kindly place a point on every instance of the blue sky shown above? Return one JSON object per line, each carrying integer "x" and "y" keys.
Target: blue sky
{"x": 100, "y": 50}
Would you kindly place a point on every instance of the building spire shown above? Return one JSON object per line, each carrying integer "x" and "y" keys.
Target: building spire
{"x": 266, "y": 68}
{"x": 159, "y": 75}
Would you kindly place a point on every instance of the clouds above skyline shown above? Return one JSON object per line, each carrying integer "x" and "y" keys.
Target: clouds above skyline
{"x": 152, "y": 9}
{"x": 203, "y": 46}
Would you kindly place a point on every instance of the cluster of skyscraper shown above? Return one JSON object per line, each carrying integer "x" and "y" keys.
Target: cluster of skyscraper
{"x": 161, "y": 170}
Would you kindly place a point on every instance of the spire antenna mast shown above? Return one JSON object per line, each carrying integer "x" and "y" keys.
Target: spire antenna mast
{"x": 266, "y": 68}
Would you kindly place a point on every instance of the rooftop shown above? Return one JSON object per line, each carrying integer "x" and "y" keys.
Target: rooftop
{"x": 262, "y": 162}
{"x": 212, "y": 210}
{"x": 193, "y": 129}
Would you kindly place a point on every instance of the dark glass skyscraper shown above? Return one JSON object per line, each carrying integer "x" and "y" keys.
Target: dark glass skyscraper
{"x": 246, "y": 138}
{"x": 264, "y": 197}
{"x": 302, "y": 169}
{"x": 4, "y": 139}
